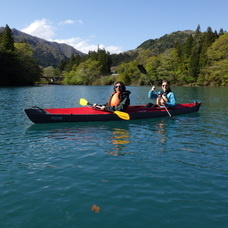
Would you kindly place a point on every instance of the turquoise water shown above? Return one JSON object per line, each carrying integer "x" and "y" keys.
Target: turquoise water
{"x": 141, "y": 173}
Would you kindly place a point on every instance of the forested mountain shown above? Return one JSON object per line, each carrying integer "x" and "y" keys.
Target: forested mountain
{"x": 52, "y": 53}
{"x": 165, "y": 42}
{"x": 45, "y": 52}
{"x": 154, "y": 46}
{"x": 183, "y": 57}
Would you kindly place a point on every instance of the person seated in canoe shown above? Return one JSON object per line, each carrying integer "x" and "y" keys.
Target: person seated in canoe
{"x": 163, "y": 98}
{"x": 119, "y": 99}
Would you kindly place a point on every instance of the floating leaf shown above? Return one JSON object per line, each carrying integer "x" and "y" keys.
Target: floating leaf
{"x": 95, "y": 208}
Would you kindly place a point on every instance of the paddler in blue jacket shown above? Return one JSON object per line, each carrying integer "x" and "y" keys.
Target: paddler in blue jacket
{"x": 165, "y": 97}
{"x": 119, "y": 99}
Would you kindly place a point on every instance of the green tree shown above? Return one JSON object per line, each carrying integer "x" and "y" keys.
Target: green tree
{"x": 17, "y": 64}
{"x": 8, "y": 60}
{"x": 198, "y": 31}
{"x": 187, "y": 48}
{"x": 7, "y": 41}
{"x": 216, "y": 70}
{"x": 152, "y": 66}
{"x": 9, "y": 69}
{"x": 74, "y": 61}
{"x": 143, "y": 56}
{"x": 193, "y": 65}
{"x": 194, "y": 59}
{"x": 85, "y": 74}
{"x": 30, "y": 70}
{"x": 129, "y": 74}
{"x": 104, "y": 60}
{"x": 125, "y": 57}
{"x": 208, "y": 38}
{"x": 169, "y": 63}
{"x": 221, "y": 32}
{"x": 49, "y": 71}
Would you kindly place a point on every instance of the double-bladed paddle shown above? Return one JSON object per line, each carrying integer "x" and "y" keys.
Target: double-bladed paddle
{"x": 122, "y": 115}
{"x": 143, "y": 71}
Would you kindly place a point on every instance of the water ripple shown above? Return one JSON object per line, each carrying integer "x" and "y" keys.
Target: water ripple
{"x": 141, "y": 172}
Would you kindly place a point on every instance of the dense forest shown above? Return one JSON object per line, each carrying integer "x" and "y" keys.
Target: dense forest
{"x": 17, "y": 65}
{"x": 191, "y": 58}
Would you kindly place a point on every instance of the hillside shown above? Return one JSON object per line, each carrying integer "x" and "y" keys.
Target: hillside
{"x": 165, "y": 42}
{"x": 52, "y": 53}
{"x": 155, "y": 46}
{"x": 46, "y": 53}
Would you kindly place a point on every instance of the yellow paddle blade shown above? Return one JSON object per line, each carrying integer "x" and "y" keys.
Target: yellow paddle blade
{"x": 122, "y": 115}
{"x": 83, "y": 101}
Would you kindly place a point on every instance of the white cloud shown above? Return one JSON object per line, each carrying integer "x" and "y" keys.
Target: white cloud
{"x": 77, "y": 43}
{"x": 40, "y": 28}
{"x": 44, "y": 29}
{"x": 113, "y": 49}
{"x": 71, "y": 22}
{"x": 85, "y": 46}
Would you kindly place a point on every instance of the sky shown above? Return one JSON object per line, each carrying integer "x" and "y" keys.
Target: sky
{"x": 115, "y": 25}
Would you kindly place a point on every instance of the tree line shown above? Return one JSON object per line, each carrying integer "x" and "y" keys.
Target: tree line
{"x": 201, "y": 59}
{"x": 92, "y": 69}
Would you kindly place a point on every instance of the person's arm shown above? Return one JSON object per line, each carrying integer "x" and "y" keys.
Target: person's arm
{"x": 171, "y": 100}
{"x": 152, "y": 95}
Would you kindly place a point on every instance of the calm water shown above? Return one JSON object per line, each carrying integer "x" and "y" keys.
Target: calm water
{"x": 141, "y": 173}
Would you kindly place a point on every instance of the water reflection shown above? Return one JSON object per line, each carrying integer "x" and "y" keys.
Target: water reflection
{"x": 113, "y": 138}
{"x": 161, "y": 128}
{"x": 119, "y": 139}
{"x": 110, "y": 137}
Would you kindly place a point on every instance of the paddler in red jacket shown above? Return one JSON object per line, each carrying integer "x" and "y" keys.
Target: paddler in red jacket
{"x": 119, "y": 100}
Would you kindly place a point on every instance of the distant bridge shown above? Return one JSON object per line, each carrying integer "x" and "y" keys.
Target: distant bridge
{"x": 51, "y": 80}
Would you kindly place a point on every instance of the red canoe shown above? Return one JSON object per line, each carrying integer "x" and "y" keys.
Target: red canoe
{"x": 86, "y": 114}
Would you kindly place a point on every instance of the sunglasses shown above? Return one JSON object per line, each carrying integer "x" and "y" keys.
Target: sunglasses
{"x": 118, "y": 86}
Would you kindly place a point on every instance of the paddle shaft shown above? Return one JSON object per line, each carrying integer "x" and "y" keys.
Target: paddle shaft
{"x": 143, "y": 70}
{"x": 147, "y": 76}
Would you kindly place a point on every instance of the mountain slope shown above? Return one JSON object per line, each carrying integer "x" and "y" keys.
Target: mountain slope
{"x": 165, "y": 42}
{"x": 46, "y": 53}
{"x": 155, "y": 46}
{"x": 52, "y": 53}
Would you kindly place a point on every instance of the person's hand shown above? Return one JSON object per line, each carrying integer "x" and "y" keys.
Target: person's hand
{"x": 153, "y": 88}
{"x": 164, "y": 98}
{"x": 95, "y": 104}
{"x": 162, "y": 102}
{"x": 102, "y": 107}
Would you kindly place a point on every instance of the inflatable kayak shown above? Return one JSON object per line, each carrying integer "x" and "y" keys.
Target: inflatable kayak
{"x": 88, "y": 113}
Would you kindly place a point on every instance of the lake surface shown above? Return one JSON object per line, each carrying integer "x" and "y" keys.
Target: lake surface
{"x": 140, "y": 173}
